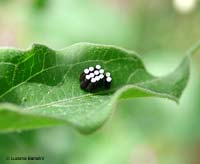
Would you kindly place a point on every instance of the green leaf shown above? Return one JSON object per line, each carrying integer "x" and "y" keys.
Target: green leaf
{"x": 40, "y": 86}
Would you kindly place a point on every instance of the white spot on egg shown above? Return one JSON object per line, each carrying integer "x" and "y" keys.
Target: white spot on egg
{"x": 86, "y": 71}
{"x": 91, "y": 69}
{"x": 108, "y": 79}
{"x": 98, "y": 67}
{"x": 93, "y": 80}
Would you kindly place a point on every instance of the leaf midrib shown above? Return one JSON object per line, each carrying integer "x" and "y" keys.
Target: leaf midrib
{"x": 113, "y": 90}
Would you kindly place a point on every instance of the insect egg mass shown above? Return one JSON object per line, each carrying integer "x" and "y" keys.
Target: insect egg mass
{"x": 93, "y": 79}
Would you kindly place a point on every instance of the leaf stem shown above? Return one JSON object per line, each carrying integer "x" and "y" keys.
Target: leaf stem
{"x": 194, "y": 49}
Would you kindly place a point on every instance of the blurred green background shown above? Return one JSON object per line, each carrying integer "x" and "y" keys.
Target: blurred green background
{"x": 141, "y": 131}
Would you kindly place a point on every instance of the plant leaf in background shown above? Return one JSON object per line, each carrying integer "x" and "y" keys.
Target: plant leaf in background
{"x": 40, "y": 87}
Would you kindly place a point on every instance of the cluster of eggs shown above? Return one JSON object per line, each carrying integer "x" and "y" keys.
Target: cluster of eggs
{"x": 94, "y": 78}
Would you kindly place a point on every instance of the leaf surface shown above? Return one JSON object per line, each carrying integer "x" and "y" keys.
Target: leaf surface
{"x": 40, "y": 86}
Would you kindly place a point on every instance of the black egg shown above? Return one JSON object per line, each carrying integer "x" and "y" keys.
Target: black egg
{"x": 94, "y": 79}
